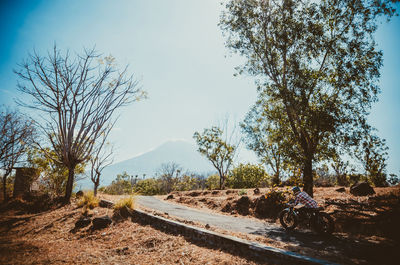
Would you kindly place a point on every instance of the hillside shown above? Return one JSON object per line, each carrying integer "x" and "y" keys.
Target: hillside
{"x": 180, "y": 152}
{"x": 50, "y": 237}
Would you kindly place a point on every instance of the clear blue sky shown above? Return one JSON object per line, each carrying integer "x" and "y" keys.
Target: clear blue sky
{"x": 176, "y": 50}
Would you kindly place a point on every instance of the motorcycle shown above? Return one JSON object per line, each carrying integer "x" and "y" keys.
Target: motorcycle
{"x": 318, "y": 220}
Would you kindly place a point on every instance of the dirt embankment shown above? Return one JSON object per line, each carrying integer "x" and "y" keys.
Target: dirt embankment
{"x": 50, "y": 238}
{"x": 377, "y": 215}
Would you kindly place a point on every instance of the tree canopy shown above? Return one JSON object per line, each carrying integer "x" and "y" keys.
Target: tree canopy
{"x": 76, "y": 97}
{"x": 217, "y": 150}
{"x": 317, "y": 64}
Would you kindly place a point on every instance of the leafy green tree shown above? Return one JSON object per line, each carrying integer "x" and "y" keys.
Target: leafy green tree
{"x": 266, "y": 139}
{"x": 316, "y": 62}
{"x": 218, "y": 151}
{"x": 76, "y": 99}
{"x": 245, "y": 176}
{"x": 341, "y": 170}
{"x": 393, "y": 179}
{"x": 53, "y": 174}
{"x": 372, "y": 154}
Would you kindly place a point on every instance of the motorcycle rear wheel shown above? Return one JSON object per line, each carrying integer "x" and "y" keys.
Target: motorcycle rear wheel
{"x": 323, "y": 223}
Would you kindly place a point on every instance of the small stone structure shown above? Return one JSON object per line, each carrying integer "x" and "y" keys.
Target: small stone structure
{"x": 24, "y": 176}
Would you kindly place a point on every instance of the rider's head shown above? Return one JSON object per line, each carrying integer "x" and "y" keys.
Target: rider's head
{"x": 296, "y": 190}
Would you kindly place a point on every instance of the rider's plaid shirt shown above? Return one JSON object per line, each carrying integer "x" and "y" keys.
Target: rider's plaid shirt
{"x": 305, "y": 199}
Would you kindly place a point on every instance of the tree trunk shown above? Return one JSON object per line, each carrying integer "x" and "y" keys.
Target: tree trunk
{"x": 5, "y": 198}
{"x": 308, "y": 176}
{"x": 222, "y": 182}
{"x": 70, "y": 184}
{"x": 95, "y": 189}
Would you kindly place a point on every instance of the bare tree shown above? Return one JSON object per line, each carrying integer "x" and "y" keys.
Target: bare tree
{"x": 169, "y": 174}
{"x": 100, "y": 159}
{"x": 16, "y": 132}
{"x": 76, "y": 99}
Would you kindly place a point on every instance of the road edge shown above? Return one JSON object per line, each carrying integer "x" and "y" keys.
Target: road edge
{"x": 233, "y": 244}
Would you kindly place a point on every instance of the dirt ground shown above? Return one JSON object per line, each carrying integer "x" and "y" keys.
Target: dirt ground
{"x": 366, "y": 228}
{"x": 376, "y": 215}
{"x": 49, "y": 238}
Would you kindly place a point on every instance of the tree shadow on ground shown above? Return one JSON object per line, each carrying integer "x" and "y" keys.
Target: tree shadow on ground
{"x": 383, "y": 252}
{"x": 379, "y": 216}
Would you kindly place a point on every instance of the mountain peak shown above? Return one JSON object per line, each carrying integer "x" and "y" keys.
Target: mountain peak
{"x": 181, "y": 152}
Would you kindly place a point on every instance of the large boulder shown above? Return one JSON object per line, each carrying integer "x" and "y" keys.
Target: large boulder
{"x": 227, "y": 207}
{"x": 106, "y": 204}
{"x": 361, "y": 189}
{"x": 256, "y": 191}
{"x": 101, "y": 222}
{"x": 82, "y": 222}
{"x": 341, "y": 189}
{"x": 243, "y": 205}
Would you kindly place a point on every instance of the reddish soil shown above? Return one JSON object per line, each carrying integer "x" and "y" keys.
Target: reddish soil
{"x": 48, "y": 238}
{"x": 377, "y": 215}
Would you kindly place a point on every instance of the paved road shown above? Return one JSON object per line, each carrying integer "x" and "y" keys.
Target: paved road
{"x": 305, "y": 238}
{"x": 230, "y": 223}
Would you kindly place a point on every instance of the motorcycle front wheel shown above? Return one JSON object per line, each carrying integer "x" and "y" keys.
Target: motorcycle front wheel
{"x": 288, "y": 219}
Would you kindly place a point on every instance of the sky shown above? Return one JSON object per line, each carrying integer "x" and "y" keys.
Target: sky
{"x": 176, "y": 51}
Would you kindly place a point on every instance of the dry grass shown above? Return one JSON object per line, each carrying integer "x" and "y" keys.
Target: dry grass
{"x": 88, "y": 200}
{"x": 46, "y": 238}
{"x": 128, "y": 202}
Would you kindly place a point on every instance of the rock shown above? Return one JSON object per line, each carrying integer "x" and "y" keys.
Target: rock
{"x": 122, "y": 251}
{"x": 106, "y": 204}
{"x": 194, "y": 193}
{"x": 243, "y": 205}
{"x": 82, "y": 222}
{"x": 340, "y": 190}
{"x": 123, "y": 213}
{"x": 361, "y": 189}
{"x": 207, "y": 226}
{"x": 169, "y": 197}
{"x": 256, "y": 191}
{"x": 226, "y": 207}
{"x": 79, "y": 194}
{"x": 101, "y": 222}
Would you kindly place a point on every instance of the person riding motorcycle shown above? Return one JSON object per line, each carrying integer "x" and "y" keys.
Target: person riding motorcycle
{"x": 303, "y": 198}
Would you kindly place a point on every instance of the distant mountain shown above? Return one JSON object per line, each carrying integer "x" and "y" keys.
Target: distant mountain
{"x": 183, "y": 153}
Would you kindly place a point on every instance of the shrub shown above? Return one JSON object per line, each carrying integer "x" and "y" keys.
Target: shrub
{"x": 246, "y": 176}
{"x": 212, "y": 182}
{"x": 88, "y": 200}
{"x": 242, "y": 192}
{"x": 149, "y": 186}
{"x": 271, "y": 203}
{"x": 190, "y": 182}
{"x": 121, "y": 185}
{"x": 325, "y": 181}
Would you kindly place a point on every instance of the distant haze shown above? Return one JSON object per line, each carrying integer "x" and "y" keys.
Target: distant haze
{"x": 180, "y": 152}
